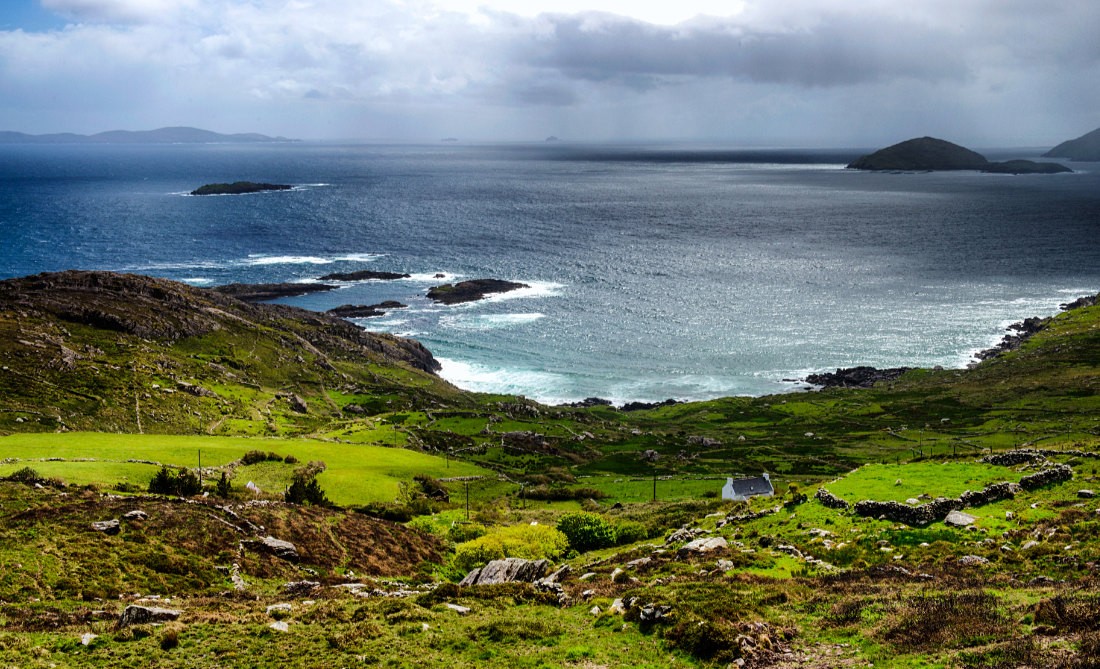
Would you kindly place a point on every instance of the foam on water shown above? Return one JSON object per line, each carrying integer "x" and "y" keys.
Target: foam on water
{"x": 482, "y": 377}
{"x": 488, "y": 321}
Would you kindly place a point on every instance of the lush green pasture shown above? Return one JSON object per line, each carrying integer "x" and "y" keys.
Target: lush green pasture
{"x": 636, "y": 489}
{"x": 901, "y": 482}
{"x": 354, "y": 473}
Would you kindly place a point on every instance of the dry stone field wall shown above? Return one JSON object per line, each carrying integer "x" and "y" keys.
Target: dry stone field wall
{"x": 938, "y": 509}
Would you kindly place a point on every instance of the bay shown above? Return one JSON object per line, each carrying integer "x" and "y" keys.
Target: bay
{"x": 655, "y": 271}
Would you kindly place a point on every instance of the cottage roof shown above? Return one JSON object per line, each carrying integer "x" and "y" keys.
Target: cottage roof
{"x": 757, "y": 485}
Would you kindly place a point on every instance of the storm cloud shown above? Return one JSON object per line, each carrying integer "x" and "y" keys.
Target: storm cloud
{"x": 796, "y": 72}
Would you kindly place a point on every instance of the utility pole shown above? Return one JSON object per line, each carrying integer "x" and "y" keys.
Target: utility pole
{"x": 467, "y": 486}
{"x": 200, "y": 469}
{"x": 654, "y": 485}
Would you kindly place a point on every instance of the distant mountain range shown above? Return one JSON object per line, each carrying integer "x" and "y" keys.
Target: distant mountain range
{"x": 178, "y": 135}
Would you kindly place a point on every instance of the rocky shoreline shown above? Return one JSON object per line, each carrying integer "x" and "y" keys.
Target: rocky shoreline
{"x": 469, "y": 291}
{"x": 263, "y": 292}
{"x": 1018, "y": 333}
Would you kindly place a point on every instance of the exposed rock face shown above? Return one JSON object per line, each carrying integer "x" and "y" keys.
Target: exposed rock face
{"x": 141, "y": 615}
{"x": 701, "y": 546}
{"x": 167, "y": 311}
{"x": 272, "y": 546}
{"x": 469, "y": 291}
{"x": 364, "y": 275}
{"x": 855, "y": 377}
{"x": 923, "y": 153}
{"x": 263, "y": 292}
{"x": 106, "y": 526}
{"x": 238, "y": 188}
{"x": 1086, "y": 147}
{"x": 508, "y": 570}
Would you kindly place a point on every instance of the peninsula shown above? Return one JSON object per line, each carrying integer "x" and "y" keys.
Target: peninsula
{"x": 173, "y": 135}
{"x": 1084, "y": 148}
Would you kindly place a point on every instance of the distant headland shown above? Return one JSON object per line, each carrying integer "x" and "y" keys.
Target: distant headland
{"x": 931, "y": 154}
{"x": 174, "y": 135}
{"x": 1085, "y": 148}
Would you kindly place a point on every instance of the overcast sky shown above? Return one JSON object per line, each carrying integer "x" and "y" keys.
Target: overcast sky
{"x": 838, "y": 73}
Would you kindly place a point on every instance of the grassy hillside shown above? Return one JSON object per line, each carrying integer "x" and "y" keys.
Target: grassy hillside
{"x": 105, "y": 377}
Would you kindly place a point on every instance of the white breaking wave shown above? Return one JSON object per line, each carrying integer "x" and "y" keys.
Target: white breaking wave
{"x": 484, "y": 378}
{"x": 488, "y": 321}
{"x": 534, "y": 289}
{"x": 197, "y": 281}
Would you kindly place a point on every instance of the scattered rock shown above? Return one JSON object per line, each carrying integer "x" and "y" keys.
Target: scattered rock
{"x": 972, "y": 560}
{"x": 301, "y": 588}
{"x": 136, "y": 514}
{"x": 280, "y": 626}
{"x": 460, "y": 610}
{"x": 87, "y": 638}
{"x": 279, "y": 608}
{"x": 272, "y": 546}
{"x": 141, "y": 615}
{"x": 1086, "y": 494}
{"x": 959, "y": 519}
{"x": 704, "y": 545}
{"x": 508, "y": 570}
{"x": 106, "y": 526}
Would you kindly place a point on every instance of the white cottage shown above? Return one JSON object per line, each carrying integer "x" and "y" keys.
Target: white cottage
{"x": 739, "y": 490}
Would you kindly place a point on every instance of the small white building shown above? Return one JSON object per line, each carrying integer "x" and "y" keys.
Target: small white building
{"x": 739, "y": 490}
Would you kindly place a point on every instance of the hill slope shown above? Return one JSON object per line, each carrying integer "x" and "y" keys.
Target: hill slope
{"x": 116, "y": 352}
{"x": 1085, "y": 148}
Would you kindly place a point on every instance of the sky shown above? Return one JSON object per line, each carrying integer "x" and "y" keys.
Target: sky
{"x": 793, "y": 73}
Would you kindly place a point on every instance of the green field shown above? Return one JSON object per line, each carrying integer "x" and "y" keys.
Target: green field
{"x": 901, "y": 482}
{"x": 355, "y": 474}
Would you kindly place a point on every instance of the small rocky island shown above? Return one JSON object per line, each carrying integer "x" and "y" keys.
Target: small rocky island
{"x": 469, "y": 291}
{"x": 263, "y": 292}
{"x": 238, "y": 188}
{"x": 365, "y": 310}
{"x": 930, "y": 154}
{"x": 364, "y": 275}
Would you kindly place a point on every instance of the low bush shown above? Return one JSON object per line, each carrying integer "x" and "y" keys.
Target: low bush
{"x": 182, "y": 482}
{"x": 587, "y": 531}
{"x": 533, "y": 542}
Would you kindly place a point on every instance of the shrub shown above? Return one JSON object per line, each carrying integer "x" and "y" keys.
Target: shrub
{"x": 222, "y": 487}
{"x": 432, "y": 488}
{"x": 587, "y": 531}
{"x": 25, "y": 475}
{"x": 533, "y": 542}
{"x": 628, "y": 532}
{"x": 398, "y": 513}
{"x": 182, "y": 482}
{"x": 305, "y": 490}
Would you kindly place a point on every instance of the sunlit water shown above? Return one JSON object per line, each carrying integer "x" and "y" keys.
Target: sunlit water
{"x": 654, "y": 272}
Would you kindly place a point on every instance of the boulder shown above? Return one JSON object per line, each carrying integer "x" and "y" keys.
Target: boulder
{"x": 701, "y": 546}
{"x": 281, "y": 549}
{"x": 106, "y": 526}
{"x": 142, "y": 615}
{"x": 959, "y": 519}
{"x": 508, "y": 570}
{"x": 136, "y": 514}
{"x": 1086, "y": 494}
{"x": 301, "y": 588}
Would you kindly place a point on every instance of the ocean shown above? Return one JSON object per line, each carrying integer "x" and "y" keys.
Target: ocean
{"x": 655, "y": 271}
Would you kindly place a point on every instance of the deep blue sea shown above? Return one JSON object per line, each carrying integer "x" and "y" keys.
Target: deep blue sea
{"x": 656, "y": 271}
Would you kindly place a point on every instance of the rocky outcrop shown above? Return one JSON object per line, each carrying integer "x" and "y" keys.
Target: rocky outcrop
{"x": 238, "y": 188}
{"x": 143, "y": 615}
{"x": 855, "y": 377}
{"x": 1086, "y": 148}
{"x": 508, "y": 570}
{"x": 469, "y": 291}
{"x": 365, "y": 310}
{"x": 106, "y": 526}
{"x": 283, "y": 550}
{"x": 364, "y": 275}
{"x": 264, "y": 292}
